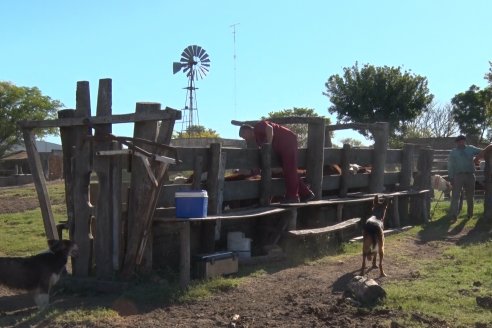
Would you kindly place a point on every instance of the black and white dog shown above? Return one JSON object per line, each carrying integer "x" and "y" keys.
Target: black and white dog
{"x": 38, "y": 273}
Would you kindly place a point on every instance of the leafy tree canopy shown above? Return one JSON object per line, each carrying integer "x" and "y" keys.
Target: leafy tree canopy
{"x": 472, "y": 111}
{"x": 23, "y": 103}
{"x": 197, "y": 131}
{"x": 377, "y": 94}
{"x": 352, "y": 142}
{"x": 488, "y": 76}
{"x": 301, "y": 130}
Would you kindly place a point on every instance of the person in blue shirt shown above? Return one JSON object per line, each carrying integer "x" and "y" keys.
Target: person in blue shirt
{"x": 461, "y": 173}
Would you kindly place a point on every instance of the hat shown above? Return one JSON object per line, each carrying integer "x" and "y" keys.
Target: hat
{"x": 460, "y": 137}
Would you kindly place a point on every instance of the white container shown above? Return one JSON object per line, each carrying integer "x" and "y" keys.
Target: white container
{"x": 238, "y": 244}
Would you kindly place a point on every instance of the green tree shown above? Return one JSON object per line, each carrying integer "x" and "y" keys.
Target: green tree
{"x": 197, "y": 131}
{"x": 301, "y": 130}
{"x": 472, "y": 111}
{"x": 352, "y": 142}
{"x": 488, "y": 76}
{"x": 378, "y": 94}
{"x": 22, "y": 103}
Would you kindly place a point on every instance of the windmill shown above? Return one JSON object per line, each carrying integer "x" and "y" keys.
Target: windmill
{"x": 195, "y": 63}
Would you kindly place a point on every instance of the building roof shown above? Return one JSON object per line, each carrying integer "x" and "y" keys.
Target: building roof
{"x": 15, "y": 156}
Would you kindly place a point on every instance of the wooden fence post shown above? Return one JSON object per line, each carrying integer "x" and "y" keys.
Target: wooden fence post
{"x": 420, "y": 205}
{"x": 81, "y": 176}
{"x": 315, "y": 155}
{"x": 103, "y": 243}
{"x": 406, "y": 176}
{"x": 345, "y": 166}
{"x": 266, "y": 175}
{"x": 215, "y": 188}
{"x": 68, "y": 144}
{"x": 380, "y": 133}
{"x": 143, "y": 196}
{"x": 197, "y": 173}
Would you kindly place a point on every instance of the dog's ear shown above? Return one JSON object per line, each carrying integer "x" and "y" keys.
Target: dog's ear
{"x": 375, "y": 201}
{"x": 54, "y": 244}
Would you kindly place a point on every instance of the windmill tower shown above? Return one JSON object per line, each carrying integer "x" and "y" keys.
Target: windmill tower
{"x": 195, "y": 63}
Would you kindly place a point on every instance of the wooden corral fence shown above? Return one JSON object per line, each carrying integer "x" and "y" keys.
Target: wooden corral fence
{"x": 341, "y": 200}
{"x": 108, "y": 240}
{"x": 132, "y": 226}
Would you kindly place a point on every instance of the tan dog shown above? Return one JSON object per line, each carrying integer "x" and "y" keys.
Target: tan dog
{"x": 373, "y": 235}
{"x": 37, "y": 273}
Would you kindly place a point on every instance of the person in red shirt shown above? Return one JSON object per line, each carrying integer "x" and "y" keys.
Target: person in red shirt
{"x": 284, "y": 144}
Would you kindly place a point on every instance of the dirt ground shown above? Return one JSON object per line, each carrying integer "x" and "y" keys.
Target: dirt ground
{"x": 301, "y": 296}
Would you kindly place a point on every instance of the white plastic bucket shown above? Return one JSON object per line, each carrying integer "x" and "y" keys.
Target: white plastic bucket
{"x": 238, "y": 244}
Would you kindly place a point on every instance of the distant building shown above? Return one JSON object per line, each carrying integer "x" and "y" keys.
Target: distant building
{"x": 15, "y": 170}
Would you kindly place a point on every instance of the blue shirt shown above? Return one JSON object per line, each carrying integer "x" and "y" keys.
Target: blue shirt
{"x": 461, "y": 160}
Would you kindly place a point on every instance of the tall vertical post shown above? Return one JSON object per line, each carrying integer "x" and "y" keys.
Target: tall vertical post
{"x": 380, "y": 133}
{"x": 103, "y": 243}
{"x": 142, "y": 190}
{"x": 420, "y": 205}
{"x": 315, "y": 155}
{"x": 345, "y": 166}
{"x": 266, "y": 175}
{"x": 406, "y": 176}
{"x": 68, "y": 144}
{"x": 81, "y": 175}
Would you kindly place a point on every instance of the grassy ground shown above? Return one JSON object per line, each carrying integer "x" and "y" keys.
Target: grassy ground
{"x": 444, "y": 288}
{"x": 22, "y": 232}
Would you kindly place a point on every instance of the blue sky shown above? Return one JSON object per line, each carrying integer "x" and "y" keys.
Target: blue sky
{"x": 285, "y": 50}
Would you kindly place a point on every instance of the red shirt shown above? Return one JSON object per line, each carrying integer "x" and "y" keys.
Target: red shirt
{"x": 282, "y": 137}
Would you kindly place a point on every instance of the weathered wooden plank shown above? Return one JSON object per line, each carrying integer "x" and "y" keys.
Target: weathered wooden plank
{"x": 213, "y": 179}
{"x": 142, "y": 189}
{"x": 281, "y": 120}
{"x": 232, "y": 215}
{"x": 266, "y": 175}
{"x": 113, "y": 119}
{"x": 40, "y": 184}
{"x": 103, "y": 243}
{"x": 380, "y": 133}
{"x": 144, "y": 193}
{"x": 117, "y": 202}
{"x": 81, "y": 176}
{"x": 354, "y": 126}
{"x": 185, "y": 257}
{"x": 68, "y": 144}
{"x": 345, "y": 166}
{"x": 314, "y": 156}
{"x": 330, "y": 229}
{"x": 197, "y": 172}
{"x": 420, "y": 206}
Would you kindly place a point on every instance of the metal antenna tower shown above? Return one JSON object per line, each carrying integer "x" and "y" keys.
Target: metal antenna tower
{"x": 235, "y": 75}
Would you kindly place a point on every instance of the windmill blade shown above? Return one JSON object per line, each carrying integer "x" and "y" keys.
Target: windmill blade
{"x": 196, "y": 50}
{"x": 188, "y": 52}
{"x": 202, "y": 73}
{"x": 177, "y": 67}
{"x": 204, "y": 70}
{"x": 201, "y": 53}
